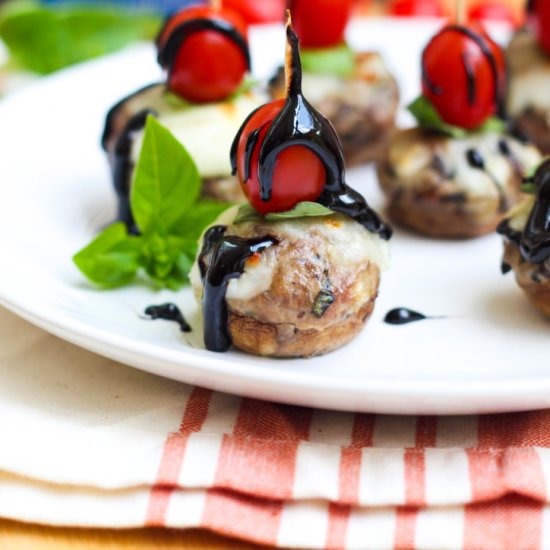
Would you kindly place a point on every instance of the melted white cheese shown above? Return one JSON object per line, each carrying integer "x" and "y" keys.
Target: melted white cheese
{"x": 206, "y": 131}
{"x": 347, "y": 244}
{"x": 518, "y": 216}
{"x": 412, "y": 155}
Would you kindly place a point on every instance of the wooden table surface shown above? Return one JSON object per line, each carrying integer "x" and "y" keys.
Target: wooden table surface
{"x": 19, "y": 536}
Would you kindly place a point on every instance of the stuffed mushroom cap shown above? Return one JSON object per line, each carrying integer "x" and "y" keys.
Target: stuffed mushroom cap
{"x": 310, "y": 293}
{"x": 448, "y": 187}
{"x": 532, "y": 278}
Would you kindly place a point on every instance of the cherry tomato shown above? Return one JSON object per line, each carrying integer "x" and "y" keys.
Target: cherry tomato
{"x": 299, "y": 175}
{"x": 405, "y": 8}
{"x": 463, "y": 75}
{"x": 254, "y": 11}
{"x": 320, "y": 23}
{"x": 491, "y": 10}
{"x": 539, "y": 20}
{"x": 208, "y": 65}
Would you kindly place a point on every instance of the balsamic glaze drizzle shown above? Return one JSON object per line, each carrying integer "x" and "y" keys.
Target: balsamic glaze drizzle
{"x": 122, "y": 166}
{"x": 500, "y": 89}
{"x": 167, "y": 52}
{"x": 535, "y": 239}
{"x": 168, "y": 312}
{"x": 475, "y": 160}
{"x": 299, "y": 123}
{"x": 470, "y": 78}
{"x": 226, "y": 260}
{"x": 504, "y": 149}
{"x": 403, "y": 316}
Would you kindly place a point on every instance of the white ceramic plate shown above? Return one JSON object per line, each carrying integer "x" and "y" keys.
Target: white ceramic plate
{"x": 491, "y": 354}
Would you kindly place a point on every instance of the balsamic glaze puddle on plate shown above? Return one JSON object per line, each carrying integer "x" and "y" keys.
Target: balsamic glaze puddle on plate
{"x": 168, "y": 312}
{"x": 299, "y": 123}
{"x": 403, "y": 316}
{"x": 226, "y": 260}
{"x": 534, "y": 241}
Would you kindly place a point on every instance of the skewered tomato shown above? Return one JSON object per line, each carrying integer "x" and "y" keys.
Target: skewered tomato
{"x": 491, "y": 10}
{"x": 299, "y": 175}
{"x": 205, "y": 53}
{"x": 404, "y": 8}
{"x": 254, "y": 11}
{"x": 463, "y": 75}
{"x": 539, "y": 19}
{"x": 320, "y": 23}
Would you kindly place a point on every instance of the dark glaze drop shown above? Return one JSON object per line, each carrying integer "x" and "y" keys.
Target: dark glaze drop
{"x": 403, "y": 316}
{"x": 168, "y": 312}
{"x": 504, "y": 149}
{"x": 122, "y": 166}
{"x": 535, "y": 239}
{"x": 475, "y": 160}
{"x": 167, "y": 52}
{"x": 499, "y": 93}
{"x": 299, "y": 123}
{"x": 227, "y": 257}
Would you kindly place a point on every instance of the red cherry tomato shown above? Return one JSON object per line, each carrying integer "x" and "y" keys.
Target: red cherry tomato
{"x": 208, "y": 66}
{"x": 320, "y": 23}
{"x": 299, "y": 174}
{"x": 254, "y": 11}
{"x": 539, "y": 20}
{"x": 405, "y": 8}
{"x": 491, "y": 10}
{"x": 463, "y": 75}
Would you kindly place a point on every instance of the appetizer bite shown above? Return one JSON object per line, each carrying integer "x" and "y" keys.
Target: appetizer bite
{"x": 295, "y": 272}
{"x": 527, "y": 240}
{"x": 529, "y": 63}
{"x": 457, "y": 174}
{"x": 203, "y": 101}
{"x": 354, "y": 90}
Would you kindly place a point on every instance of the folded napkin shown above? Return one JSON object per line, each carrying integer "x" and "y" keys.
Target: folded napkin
{"x": 89, "y": 442}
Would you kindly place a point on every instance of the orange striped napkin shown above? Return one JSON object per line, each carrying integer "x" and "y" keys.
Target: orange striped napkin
{"x": 89, "y": 442}
{"x": 298, "y": 477}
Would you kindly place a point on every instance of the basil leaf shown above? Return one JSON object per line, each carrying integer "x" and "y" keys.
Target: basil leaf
{"x": 203, "y": 214}
{"x": 171, "y": 218}
{"x": 301, "y": 210}
{"x": 247, "y": 213}
{"x": 305, "y": 209}
{"x": 112, "y": 258}
{"x": 166, "y": 181}
{"x": 44, "y": 39}
{"x": 528, "y": 188}
{"x": 427, "y": 117}
{"x": 339, "y": 61}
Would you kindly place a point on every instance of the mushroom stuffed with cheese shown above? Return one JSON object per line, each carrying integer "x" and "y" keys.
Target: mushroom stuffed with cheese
{"x": 295, "y": 272}
{"x": 457, "y": 174}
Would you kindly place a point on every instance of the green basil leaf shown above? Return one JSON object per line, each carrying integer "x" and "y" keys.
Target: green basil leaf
{"x": 528, "y": 188}
{"x": 203, "y": 214}
{"x": 44, "y": 39}
{"x": 427, "y": 117}
{"x": 111, "y": 259}
{"x": 166, "y": 181}
{"x": 247, "y": 213}
{"x": 339, "y": 61}
{"x": 301, "y": 210}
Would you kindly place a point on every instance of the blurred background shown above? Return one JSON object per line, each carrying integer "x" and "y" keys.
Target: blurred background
{"x": 40, "y": 37}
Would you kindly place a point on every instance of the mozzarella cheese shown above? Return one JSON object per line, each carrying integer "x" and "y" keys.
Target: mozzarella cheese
{"x": 207, "y": 131}
{"x": 347, "y": 244}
